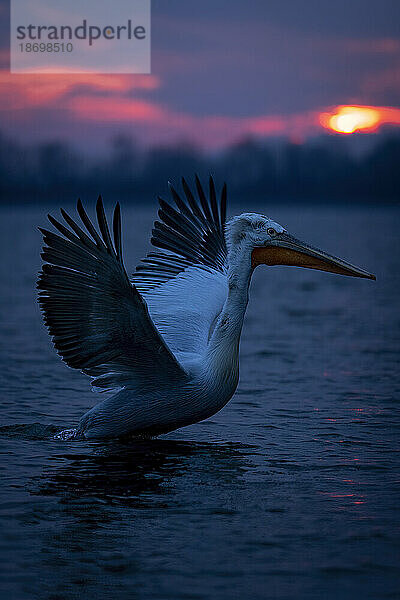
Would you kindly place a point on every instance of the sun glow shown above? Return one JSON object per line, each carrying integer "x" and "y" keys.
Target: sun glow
{"x": 349, "y": 119}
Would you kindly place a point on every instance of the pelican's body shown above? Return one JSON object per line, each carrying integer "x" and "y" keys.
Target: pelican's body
{"x": 168, "y": 340}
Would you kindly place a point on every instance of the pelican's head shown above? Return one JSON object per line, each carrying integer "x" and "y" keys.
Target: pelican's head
{"x": 271, "y": 244}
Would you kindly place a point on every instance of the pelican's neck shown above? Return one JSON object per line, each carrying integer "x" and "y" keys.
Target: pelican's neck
{"x": 224, "y": 342}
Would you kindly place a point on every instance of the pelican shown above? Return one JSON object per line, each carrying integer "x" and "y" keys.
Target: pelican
{"x": 166, "y": 340}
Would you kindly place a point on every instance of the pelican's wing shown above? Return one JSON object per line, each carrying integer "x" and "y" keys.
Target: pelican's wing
{"x": 184, "y": 281}
{"x": 98, "y": 320}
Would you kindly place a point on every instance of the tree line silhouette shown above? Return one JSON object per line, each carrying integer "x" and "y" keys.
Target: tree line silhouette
{"x": 314, "y": 171}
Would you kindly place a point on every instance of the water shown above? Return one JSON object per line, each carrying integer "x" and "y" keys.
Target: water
{"x": 290, "y": 492}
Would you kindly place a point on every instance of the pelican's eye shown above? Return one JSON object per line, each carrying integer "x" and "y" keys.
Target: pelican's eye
{"x": 271, "y": 231}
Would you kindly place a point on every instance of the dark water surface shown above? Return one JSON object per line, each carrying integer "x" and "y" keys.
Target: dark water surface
{"x": 291, "y": 492}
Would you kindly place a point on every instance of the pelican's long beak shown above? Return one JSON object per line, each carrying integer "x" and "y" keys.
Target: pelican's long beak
{"x": 284, "y": 249}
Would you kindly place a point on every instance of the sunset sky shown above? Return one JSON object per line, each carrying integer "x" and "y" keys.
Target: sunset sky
{"x": 222, "y": 70}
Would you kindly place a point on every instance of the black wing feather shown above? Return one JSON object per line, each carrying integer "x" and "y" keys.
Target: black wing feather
{"x": 193, "y": 234}
{"x": 117, "y": 232}
{"x": 98, "y": 320}
{"x": 101, "y": 218}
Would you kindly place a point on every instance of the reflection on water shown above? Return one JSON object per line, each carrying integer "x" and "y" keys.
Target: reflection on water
{"x": 99, "y": 526}
{"x": 136, "y": 474}
{"x": 290, "y": 492}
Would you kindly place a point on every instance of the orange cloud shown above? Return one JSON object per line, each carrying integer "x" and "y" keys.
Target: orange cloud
{"x": 163, "y": 123}
{"x": 24, "y": 91}
{"x": 110, "y": 101}
{"x": 115, "y": 109}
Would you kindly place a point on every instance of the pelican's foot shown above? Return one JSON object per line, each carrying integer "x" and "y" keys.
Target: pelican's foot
{"x": 66, "y": 434}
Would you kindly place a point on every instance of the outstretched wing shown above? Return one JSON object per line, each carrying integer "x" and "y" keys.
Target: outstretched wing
{"x": 184, "y": 281}
{"x": 190, "y": 235}
{"x": 98, "y": 320}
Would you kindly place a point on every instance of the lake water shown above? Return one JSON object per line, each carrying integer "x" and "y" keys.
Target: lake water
{"x": 290, "y": 492}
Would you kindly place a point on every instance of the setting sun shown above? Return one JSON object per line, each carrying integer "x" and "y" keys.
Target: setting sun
{"x": 353, "y": 118}
{"x": 349, "y": 119}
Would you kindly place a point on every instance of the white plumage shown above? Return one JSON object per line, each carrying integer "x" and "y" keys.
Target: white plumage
{"x": 166, "y": 341}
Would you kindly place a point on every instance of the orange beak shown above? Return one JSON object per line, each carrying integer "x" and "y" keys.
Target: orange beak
{"x": 285, "y": 249}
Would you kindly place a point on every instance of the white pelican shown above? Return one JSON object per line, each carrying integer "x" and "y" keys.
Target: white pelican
{"x": 166, "y": 341}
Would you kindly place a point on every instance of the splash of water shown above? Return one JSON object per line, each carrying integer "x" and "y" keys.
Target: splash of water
{"x": 66, "y": 434}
